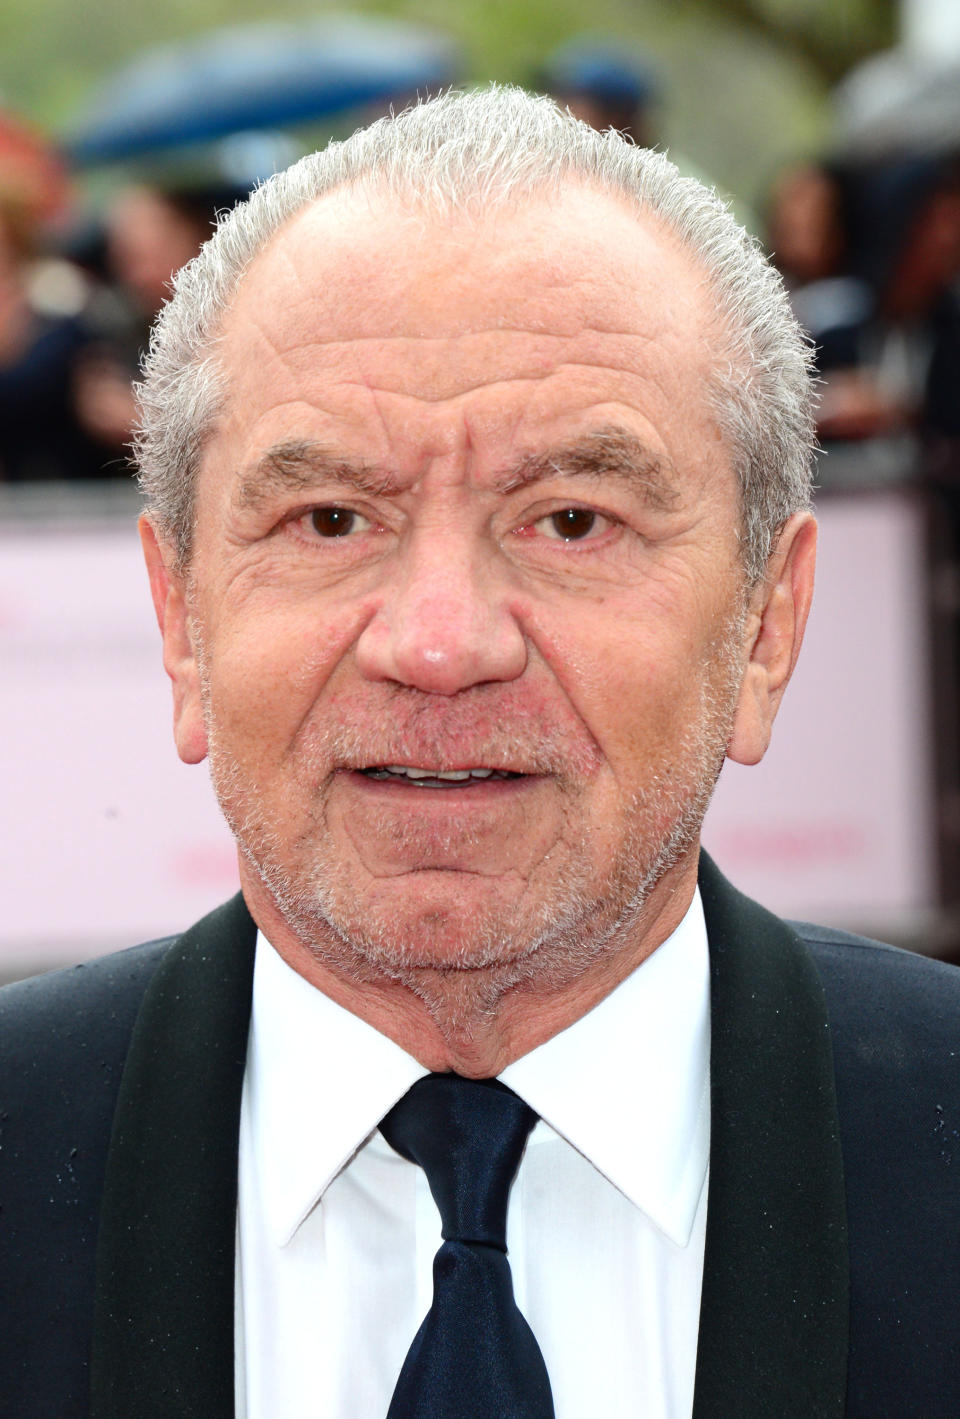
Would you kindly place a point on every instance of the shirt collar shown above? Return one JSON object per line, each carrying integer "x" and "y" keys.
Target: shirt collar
{"x": 318, "y": 1081}
{"x": 626, "y": 1085}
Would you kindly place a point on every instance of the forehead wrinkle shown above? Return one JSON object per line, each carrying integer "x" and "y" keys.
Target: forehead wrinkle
{"x": 607, "y": 453}
{"x": 464, "y": 388}
{"x": 298, "y": 465}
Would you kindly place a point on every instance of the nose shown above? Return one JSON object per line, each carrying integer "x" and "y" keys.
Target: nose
{"x": 444, "y": 623}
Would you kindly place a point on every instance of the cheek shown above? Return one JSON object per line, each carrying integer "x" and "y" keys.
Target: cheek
{"x": 638, "y": 721}
{"x": 266, "y": 671}
{"x": 624, "y": 673}
{"x": 647, "y": 689}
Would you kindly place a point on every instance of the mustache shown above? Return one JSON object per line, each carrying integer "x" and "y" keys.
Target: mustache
{"x": 504, "y": 732}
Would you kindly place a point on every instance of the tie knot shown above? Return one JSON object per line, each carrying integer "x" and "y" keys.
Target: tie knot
{"x": 468, "y": 1136}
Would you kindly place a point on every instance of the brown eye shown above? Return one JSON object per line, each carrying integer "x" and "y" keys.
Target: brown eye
{"x": 572, "y": 523}
{"x": 333, "y": 521}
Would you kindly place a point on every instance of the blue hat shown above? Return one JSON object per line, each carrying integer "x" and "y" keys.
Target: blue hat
{"x": 600, "y": 69}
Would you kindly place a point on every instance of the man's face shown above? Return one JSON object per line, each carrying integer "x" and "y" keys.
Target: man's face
{"x": 466, "y": 594}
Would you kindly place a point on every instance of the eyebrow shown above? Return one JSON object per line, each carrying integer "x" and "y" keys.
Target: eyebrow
{"x": 609, "y": 452}
{"x": 298, "y": 466}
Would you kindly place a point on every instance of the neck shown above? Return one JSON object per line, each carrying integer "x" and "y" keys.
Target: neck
{"x": 475, "y": 1021}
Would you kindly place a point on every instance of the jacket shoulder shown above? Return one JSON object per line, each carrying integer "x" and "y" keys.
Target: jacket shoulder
{"x": 870, "y": 984}
{"x": 48, "y": 1012}
{"x": 63, "y": 1041}
{"x": 893, "y": 1023}
{"x": 895, "y": 1029}
{"x": 66, "y": 1041}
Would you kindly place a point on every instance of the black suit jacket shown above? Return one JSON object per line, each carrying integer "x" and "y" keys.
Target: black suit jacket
{"x": 832, "y": 1265}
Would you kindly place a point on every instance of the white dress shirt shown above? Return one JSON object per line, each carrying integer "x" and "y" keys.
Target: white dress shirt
{"x": 337, "y": 1232}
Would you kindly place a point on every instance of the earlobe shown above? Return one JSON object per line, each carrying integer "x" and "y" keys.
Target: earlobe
{"x": 776, "y": 622}
{"x": 170, "y": 603}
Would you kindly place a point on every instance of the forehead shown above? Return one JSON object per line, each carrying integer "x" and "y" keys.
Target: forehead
{"x": 366, "y": 320}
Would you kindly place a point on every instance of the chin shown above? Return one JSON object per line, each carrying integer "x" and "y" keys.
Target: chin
{"x": 432, "y": 925}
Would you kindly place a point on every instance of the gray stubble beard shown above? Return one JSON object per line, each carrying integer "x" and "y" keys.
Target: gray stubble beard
{"x": 566, "y": 935}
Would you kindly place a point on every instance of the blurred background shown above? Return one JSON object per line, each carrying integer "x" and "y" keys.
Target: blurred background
{"x": 833, "y": 128}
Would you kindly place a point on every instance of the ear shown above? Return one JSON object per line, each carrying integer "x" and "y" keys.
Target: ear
{"x": 170, "y": 601}
{"x": 775, "y": 624}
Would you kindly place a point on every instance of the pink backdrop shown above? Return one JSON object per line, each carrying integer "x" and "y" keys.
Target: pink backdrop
{"x": 836, "y": 824}
{"x": 110, "y": 839}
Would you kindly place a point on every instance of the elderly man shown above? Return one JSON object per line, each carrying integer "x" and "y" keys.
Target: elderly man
{"x": 476, "y": 453}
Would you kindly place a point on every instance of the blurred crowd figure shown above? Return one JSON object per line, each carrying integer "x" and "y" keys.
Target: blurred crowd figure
{"x": 871, "y": 257}
{"x": 40, "y": 333}
{"x": 78, "y": 295}
{"x": 146, "y": 235}
{"x": 605, "y": 86}
{"x": 870, "y": 253}
{"x": 76, "y": 303}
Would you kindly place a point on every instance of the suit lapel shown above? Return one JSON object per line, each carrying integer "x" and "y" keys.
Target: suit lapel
{"x": 163, "y": 1319}
{"x": 774, "y": 1312}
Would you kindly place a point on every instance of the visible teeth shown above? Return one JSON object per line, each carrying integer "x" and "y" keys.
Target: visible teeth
{"x": 450, "y": 775}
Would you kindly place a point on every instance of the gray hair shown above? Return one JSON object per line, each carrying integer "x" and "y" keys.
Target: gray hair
{"x": 473, "y": 151}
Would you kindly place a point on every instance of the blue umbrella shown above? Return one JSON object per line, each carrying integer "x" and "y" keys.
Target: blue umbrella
{"x": 254, "y": 76}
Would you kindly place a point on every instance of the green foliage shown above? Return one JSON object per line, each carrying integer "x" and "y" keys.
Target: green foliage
{"x": 744, "y": 80}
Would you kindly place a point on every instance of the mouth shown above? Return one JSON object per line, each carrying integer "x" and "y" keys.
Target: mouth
{"x": 433, "y": 778}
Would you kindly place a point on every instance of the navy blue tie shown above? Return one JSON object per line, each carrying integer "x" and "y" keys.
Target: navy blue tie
{"x": 474, "y": 1356}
